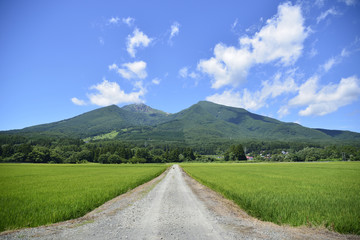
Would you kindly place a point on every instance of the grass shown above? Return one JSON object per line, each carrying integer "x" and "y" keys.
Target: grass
{"x": 110, "y": 135}
{"x": 38, "y": 194}
{"x": 312, "y": 194}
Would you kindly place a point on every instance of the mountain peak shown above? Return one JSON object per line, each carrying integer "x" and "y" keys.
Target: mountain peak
{"x": 142, "y": 108}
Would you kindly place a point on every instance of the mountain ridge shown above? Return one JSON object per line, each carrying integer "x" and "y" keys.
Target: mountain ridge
{"x": 203, "y": 121}
{"x": 143, "y": 108}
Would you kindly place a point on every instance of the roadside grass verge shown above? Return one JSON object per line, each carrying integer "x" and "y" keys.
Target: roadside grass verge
{"x": 312, "y": 194}
{"x": 37, "y": 194}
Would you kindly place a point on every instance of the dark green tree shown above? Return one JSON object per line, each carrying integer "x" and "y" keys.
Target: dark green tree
{"x": 235, "y": 153}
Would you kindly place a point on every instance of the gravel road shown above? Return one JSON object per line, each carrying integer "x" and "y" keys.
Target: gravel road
{"x": 172, "y": 206}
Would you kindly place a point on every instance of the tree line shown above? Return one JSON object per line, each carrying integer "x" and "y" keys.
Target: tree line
{"x": 309, "y": 154}
{"x": 40, "y": 149}
{"x": 49, "y": 150}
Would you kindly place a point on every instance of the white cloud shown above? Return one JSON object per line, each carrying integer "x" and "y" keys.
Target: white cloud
{"x": 128, "y": 21}
{"x": 131, "y": 70}
{"x": 174, "y": 29}
{"x": 78, "y": 101}
{"x": 255, "y": 100}
{"x": 113, "y": 67}
{"x": 138, "y": 39}
{"x": 328, "y": 12}
{"x": 235, "y": 23}
{"x": 306, "y": 92}
{"x": 193, "y": 75}
{"x": 348, "y": 2}
{"x": 344, "y": 53}
{"x": 281, "y": 39}
{"x": 329, "y": 64}
{"x": 244, "y": 99}
{"x": 283, "y": 111}
{"x": 236, "y": 28}
{"x": 184, "y": 73}
{"x": 277, "y": 87}
{"x": 327, "y": 99}
{"x": 114, "y": 20}
{"x": 156, "y": 81}
{"x": 234, "y": 99}
{"x": 111, "y": 93}
{"x": 229, "y": 66}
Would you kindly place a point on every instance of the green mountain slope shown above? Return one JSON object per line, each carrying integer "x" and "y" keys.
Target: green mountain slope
{"x": 204, "y": 121}
{"x": 96, "y": 122}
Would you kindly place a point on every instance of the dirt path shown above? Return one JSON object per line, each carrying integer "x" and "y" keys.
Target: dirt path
{"x": 172, "y": 206}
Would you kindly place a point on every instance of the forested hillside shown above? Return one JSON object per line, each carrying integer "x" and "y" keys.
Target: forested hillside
{"x": 204, "y": 122}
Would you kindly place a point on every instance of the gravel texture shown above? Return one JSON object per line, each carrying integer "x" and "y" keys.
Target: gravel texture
{"x": 172, "y": 206}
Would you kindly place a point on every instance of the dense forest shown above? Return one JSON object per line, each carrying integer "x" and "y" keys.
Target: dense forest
{"x": 38, "y": 149}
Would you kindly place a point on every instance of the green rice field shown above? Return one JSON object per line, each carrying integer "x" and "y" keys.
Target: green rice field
{"x": 38, "y": 194}
{"x": 312, "y": 194}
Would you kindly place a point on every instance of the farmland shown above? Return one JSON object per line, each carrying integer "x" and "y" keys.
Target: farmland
{"x": 38, "y": 194}
{"x": 312, "y": 194}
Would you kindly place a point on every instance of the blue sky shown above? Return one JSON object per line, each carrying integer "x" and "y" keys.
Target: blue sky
{"x": 294, "y": 61}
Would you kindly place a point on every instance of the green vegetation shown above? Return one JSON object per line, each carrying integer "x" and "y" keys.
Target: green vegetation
{"x": 204, "y": 122}
{"x": 37, "y": 194}
{"x": 313, "y": 194}
{"x": 235, "y": 153}
{"x": 297, "y": 194}
{"x": 14, "y": 148}
{"x": 110, "y": 135}
{"x": 40, "y": 149}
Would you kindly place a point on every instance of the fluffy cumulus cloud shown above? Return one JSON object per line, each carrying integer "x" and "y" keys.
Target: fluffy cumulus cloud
{"x": 281, "y": 40}
{"x": 136, "y": 40}
{"x": 235, "y": 99}
{"x": 229, "y": 66}
{"x": 77, "y": 101}
{"x": 327, "y": 99}
{"x": 131, "y": 70}
{"x": 110, "y": 93}
{"x": 257, "y": 99}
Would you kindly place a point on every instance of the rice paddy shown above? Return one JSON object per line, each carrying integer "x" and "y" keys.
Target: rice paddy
{"x": 38, "y": 194}
{"x": 312, "y": 194}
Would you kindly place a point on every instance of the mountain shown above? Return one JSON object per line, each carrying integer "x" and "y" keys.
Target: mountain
{"x": 142, "y": 108}
{"x": 204, "y": 121}
{"x": 207, "y": 121}
{"x": 96, "y": 122}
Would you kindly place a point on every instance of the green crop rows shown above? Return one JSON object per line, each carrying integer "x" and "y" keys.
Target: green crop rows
{"x": 312, "y": 194}
{"x": 37, "y": 194}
